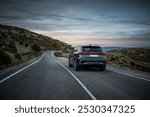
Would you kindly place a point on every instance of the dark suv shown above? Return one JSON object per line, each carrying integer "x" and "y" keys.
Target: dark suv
{"x": 87, "y": 56}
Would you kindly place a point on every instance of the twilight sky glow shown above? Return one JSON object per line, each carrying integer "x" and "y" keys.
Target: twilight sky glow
{"x": 105, "y": 22}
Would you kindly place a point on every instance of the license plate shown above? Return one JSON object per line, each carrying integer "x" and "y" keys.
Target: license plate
{"x": 93, "y": 55}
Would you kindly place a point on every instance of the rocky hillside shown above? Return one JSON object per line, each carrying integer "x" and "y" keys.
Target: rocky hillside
{"x": 132, "y": 58}
{"x": 18, "y": 45}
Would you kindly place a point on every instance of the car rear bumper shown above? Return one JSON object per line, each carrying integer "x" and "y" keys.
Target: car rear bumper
{"x": 92, "y": 63}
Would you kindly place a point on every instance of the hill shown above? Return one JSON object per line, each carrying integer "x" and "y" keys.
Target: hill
{"x": 132, "y": 58}
{"x": 18, "y": 45}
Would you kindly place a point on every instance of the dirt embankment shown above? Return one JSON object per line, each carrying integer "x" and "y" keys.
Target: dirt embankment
{"x": 130, "y": 58}
{"x": 18, "y": 45}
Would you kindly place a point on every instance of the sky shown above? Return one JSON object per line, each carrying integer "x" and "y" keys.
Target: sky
{"x": 103, "y": 22}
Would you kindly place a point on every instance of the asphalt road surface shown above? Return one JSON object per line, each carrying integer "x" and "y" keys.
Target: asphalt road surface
{"x": 50, "y": 78}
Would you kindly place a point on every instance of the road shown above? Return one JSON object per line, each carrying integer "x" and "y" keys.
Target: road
{"x": 50, "y": 78}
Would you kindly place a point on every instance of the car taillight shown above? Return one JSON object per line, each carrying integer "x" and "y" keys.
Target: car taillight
{"x": 102, "y": 53}
{"x": 91, "y": 53}
{"x": 83, "y": 53}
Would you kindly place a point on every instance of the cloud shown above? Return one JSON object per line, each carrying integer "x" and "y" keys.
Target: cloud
{"x": 60, "y": 17}
{"x": 10, "y": 18}
{"x": 84, "y": 20}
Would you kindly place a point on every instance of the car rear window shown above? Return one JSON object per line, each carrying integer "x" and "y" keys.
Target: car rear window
{"x": 91, "y": 49}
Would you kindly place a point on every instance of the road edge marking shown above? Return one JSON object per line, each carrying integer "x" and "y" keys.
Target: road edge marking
{"x": 80, "y": 83}
{"x": 110, "y": 69}
{"x": 6, "y": 78}
{"x": 52, "y": 54}
{"x": 137, "y": 77}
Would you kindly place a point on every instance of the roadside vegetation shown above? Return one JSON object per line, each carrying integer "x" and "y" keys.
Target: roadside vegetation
{"x": 127, "y": 58}
{"x": 18, "y": 45}
{"x": 64, "y": 53}
{"x": 130, "y": 58}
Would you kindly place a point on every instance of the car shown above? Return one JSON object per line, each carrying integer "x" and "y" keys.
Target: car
{"x": 87, "y": 55}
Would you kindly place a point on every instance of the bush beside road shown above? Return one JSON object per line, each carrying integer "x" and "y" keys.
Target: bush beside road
{"x": 18, "y": 45}
{"x": 130, "y": 58}
{"x": 127, "y": 58}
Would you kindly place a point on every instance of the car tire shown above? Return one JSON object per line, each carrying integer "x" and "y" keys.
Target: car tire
{"x": 69, "y": 64}
{"x": 76, "y": 65}
{"x": 102, "y": 68}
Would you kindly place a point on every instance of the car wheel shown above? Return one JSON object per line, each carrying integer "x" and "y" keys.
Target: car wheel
{"x": 70, "y": 65}
{"x": 76, "y": 65}
{"x": 102, "y": 68}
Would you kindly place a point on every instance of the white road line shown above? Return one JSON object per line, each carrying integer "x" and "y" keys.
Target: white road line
{"x": 52, "y": 54}
{"x": 138, "y": 77}
{"x": 80, "y": 83}
{"x": 21, "y": 70}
